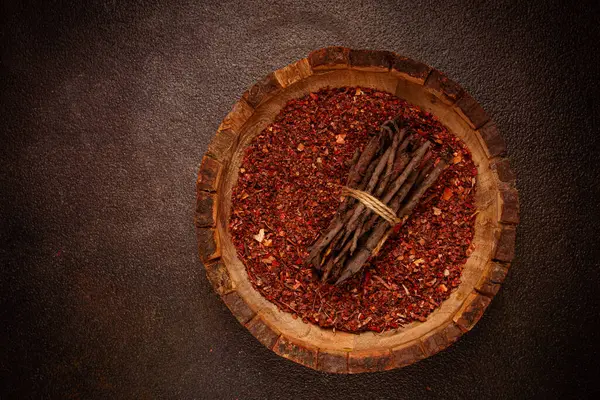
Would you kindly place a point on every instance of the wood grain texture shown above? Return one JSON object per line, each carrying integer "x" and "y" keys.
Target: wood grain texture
{"x": 408, "y": 69}
{"x": 408, "y": 353}
{"x": 208, "y": 175}
{"x": 444, "y": 88}
{"x": 226, "y": 139}
{"x": 238, "y": 306}
{"x": 491, "y": 140}
{"x": 471, "y": 311}
{"x": 496, "y": 201}
{"x": 370, "y": 60}
{"x": 501, "y": 167}
{"x": 370, "y": 361}
{"x": 208, "y": 244}
{"x": 297, "y": 352}
{"x": 262, "y": 331}
{"x": 293, "y": 73}
{"x": 329, "y": 58}
{"x": 468, "y": 108}
{"x": 219, "y": 277}
{"x": 508, "y": 203}
{"x": 333, "y": 362}
{"x": 434, "y": 342}
{"x": 262, "y": 90}
{"x": 206, "y": 210}
{"x": 238, "y": 115}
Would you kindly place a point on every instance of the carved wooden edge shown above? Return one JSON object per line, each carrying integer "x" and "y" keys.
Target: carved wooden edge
{"x": 262, "y": 90}
{"x": 332, "y": 58}
{"x": 205, "y": 216}
{"x": 224, "y": 144}
{"x": 293, "y": 73}
{"x": 227, "y": 137}
{"x": 497, "y": 268}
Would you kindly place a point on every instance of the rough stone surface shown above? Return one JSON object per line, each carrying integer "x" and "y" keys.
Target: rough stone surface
{"x": 107, "y": 109}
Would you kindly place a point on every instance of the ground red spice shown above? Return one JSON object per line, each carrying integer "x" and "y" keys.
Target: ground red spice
{"x": 288, "y": 187}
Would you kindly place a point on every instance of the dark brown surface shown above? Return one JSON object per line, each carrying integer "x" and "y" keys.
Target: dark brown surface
{"x": 106, "y": 111}
{"x": 205, "y": 204}
{"x": 207, "y": 243}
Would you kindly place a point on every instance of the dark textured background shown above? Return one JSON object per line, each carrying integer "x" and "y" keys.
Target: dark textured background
{"x": 106, "y": 110}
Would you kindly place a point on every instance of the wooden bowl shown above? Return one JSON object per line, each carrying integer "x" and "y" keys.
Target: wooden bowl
{"x": 496, "y": 201}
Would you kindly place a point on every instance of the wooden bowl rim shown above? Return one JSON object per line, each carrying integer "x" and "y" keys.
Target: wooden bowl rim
{"x": 496, "y": 201}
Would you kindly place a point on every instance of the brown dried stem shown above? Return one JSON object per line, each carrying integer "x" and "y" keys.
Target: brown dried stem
{"x": 358, "y": 260}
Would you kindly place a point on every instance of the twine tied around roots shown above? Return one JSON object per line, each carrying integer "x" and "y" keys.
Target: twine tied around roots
{"x": 373, "y": 204}
{"x": 378, "y": 207}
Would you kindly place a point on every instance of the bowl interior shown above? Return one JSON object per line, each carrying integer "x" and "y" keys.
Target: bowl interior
{"x": 486, "y": 225}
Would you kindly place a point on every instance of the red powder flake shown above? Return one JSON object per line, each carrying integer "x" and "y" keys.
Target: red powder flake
{"x": 289, "y": 186}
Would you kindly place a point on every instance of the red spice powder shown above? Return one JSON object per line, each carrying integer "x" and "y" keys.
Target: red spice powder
{"x": 289, "y": 189}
